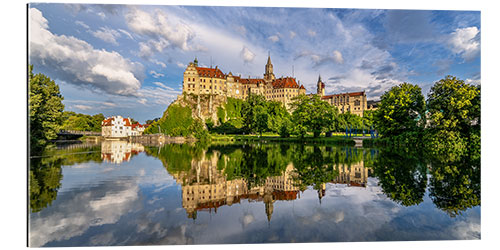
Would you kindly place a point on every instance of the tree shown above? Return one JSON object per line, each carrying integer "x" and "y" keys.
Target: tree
{"x": 401, "y": 110}
{"x": 261, "y": 119}
{"x": 253, "y": 105}
{"x": 313, "y": 115}
{"x": 45, "y": 109}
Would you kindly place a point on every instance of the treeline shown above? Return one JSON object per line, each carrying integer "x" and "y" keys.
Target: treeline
{"x": 448, "y": 122}
{"x": 310, "y": 115}
{"x": 82, "y": 122}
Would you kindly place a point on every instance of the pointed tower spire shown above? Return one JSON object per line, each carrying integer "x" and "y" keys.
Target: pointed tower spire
{"x": 269, "y": 75}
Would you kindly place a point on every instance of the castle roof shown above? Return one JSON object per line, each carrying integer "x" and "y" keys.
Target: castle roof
{"x": 252, "y": 81}
{"x": 286, "y": 82}
{"x": 210, "y": 72}
{"x": 350, "y": 94}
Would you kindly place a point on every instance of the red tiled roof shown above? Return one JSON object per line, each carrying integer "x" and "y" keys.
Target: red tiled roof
{"x": 127, "y": 122}
{"x": 302, "y": 87}
{"x": 107, "y": 122}
{"x": 209, "y": 72}
{"x": 287, "y": 82}
{"x": 252, "y": 81}
{"x": 350, "y": 94}
{"x": 135, "y": 125}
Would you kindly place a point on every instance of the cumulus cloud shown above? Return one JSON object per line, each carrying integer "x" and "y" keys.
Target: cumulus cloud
{"x": 247, "y": 55}
{"x": 106, "y": 34}
{"x": 162, "y": 30}
{"x": 311, "y": 33}
{"x": 77, "y": 62}
{"x": 181, "y": 65}
{"x": 292, "y": 34}
{"x": 465, "y": 42}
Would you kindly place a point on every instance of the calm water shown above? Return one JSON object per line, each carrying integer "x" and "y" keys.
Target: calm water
{"x": 120, "y": 193}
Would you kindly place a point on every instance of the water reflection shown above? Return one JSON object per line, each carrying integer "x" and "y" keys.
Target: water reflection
{"x": 220, "y": 175}
{"x": 112, "y": 194}
{"x": 118, "y": 151}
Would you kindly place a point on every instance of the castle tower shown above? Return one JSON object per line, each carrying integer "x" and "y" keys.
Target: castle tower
{"x": 321, "y": 87}
{"x": 269, "y": 75}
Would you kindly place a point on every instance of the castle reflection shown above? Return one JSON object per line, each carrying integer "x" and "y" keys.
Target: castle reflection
{"x": 206, "y": 186}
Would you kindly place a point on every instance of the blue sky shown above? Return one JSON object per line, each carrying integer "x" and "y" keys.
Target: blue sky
{"x": 128, "y": 60}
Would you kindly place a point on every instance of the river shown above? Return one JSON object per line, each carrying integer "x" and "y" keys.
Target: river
{"x": 120, "y": 193}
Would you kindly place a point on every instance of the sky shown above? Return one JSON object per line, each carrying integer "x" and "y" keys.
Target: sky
{"x": 129, "y": 59}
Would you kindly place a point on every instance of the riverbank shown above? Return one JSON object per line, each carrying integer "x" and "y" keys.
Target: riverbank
{"x": 337, "y": 140}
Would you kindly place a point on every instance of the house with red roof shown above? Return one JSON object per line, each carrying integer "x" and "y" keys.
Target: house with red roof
{"x": 116, "y": 127}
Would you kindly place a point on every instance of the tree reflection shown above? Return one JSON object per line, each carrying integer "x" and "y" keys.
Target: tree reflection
{"x": 456, "y": 186}
{"x": 314, "y": 167}
{"x": 402, "y": 176}
{"x": 45, "y": 173}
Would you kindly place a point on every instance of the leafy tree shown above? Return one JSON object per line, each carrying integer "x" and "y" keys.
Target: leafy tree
{"x": 277, "y": 115}
{"x": 253, "y": 105}
{"x": 45, "y": 109}
{"x": 176, "y": 121}
{"x": 312, "y": 114}
{"x": 401, "y": 110}
{"x": 455, "y": 117}
{"x": 261, "y": 120}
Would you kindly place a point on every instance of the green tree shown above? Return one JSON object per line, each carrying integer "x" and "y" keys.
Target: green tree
{"x": 455, "y": 117}
{"x": 401, "y": 110}
{"x": 45, "y": 109}
{"x": 261, "y": 119}
{"x": 253, "y": 105}
{"x": 311, "y": 114}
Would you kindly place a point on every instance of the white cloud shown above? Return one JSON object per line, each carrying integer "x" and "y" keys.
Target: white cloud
{"x": 155, "y": 74}
{"x": 292, "y": 34}
{"x": 311, "y": 33}
{"x": 162, "y": 30}
{"x": 142, "y": 101}
{"x": 126, "y": 33}
{"x": 163, "y": 65}
{"x": 465, "y": 42}
{"x": 75, "y": 61}
{"x": 161, "y": 85}
{"x": 337, "y": 57}
{"x": 247, "y": 55}
{"x": 181, "y": 65}
{"x": 102, "y": 15}
{"x": 106, "y": 34}
{"x": 274, "y": 38}
{"x": 82, "y": 24}
{"x": 83, "y": 107}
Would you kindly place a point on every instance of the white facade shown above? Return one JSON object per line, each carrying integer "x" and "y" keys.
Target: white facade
{"x": 116, "y": 127}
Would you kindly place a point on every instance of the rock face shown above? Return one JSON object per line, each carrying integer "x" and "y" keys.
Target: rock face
{"x": 202, "y": 106}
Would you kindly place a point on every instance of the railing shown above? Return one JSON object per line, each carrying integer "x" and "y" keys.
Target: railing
{"x": 76, "y": 132}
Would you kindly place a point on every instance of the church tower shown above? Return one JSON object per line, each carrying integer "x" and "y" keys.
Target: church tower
{"x": 269, "y": 75}
{"x": 321, "y": 87}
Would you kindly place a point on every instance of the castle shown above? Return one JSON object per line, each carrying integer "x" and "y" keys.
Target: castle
{"x": 212, "y": 81}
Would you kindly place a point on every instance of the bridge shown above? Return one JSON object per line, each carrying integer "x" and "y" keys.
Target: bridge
{"x": 75, "y": 134}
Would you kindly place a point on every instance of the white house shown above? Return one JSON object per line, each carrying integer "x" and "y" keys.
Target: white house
{"x": 116, "y": 127}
